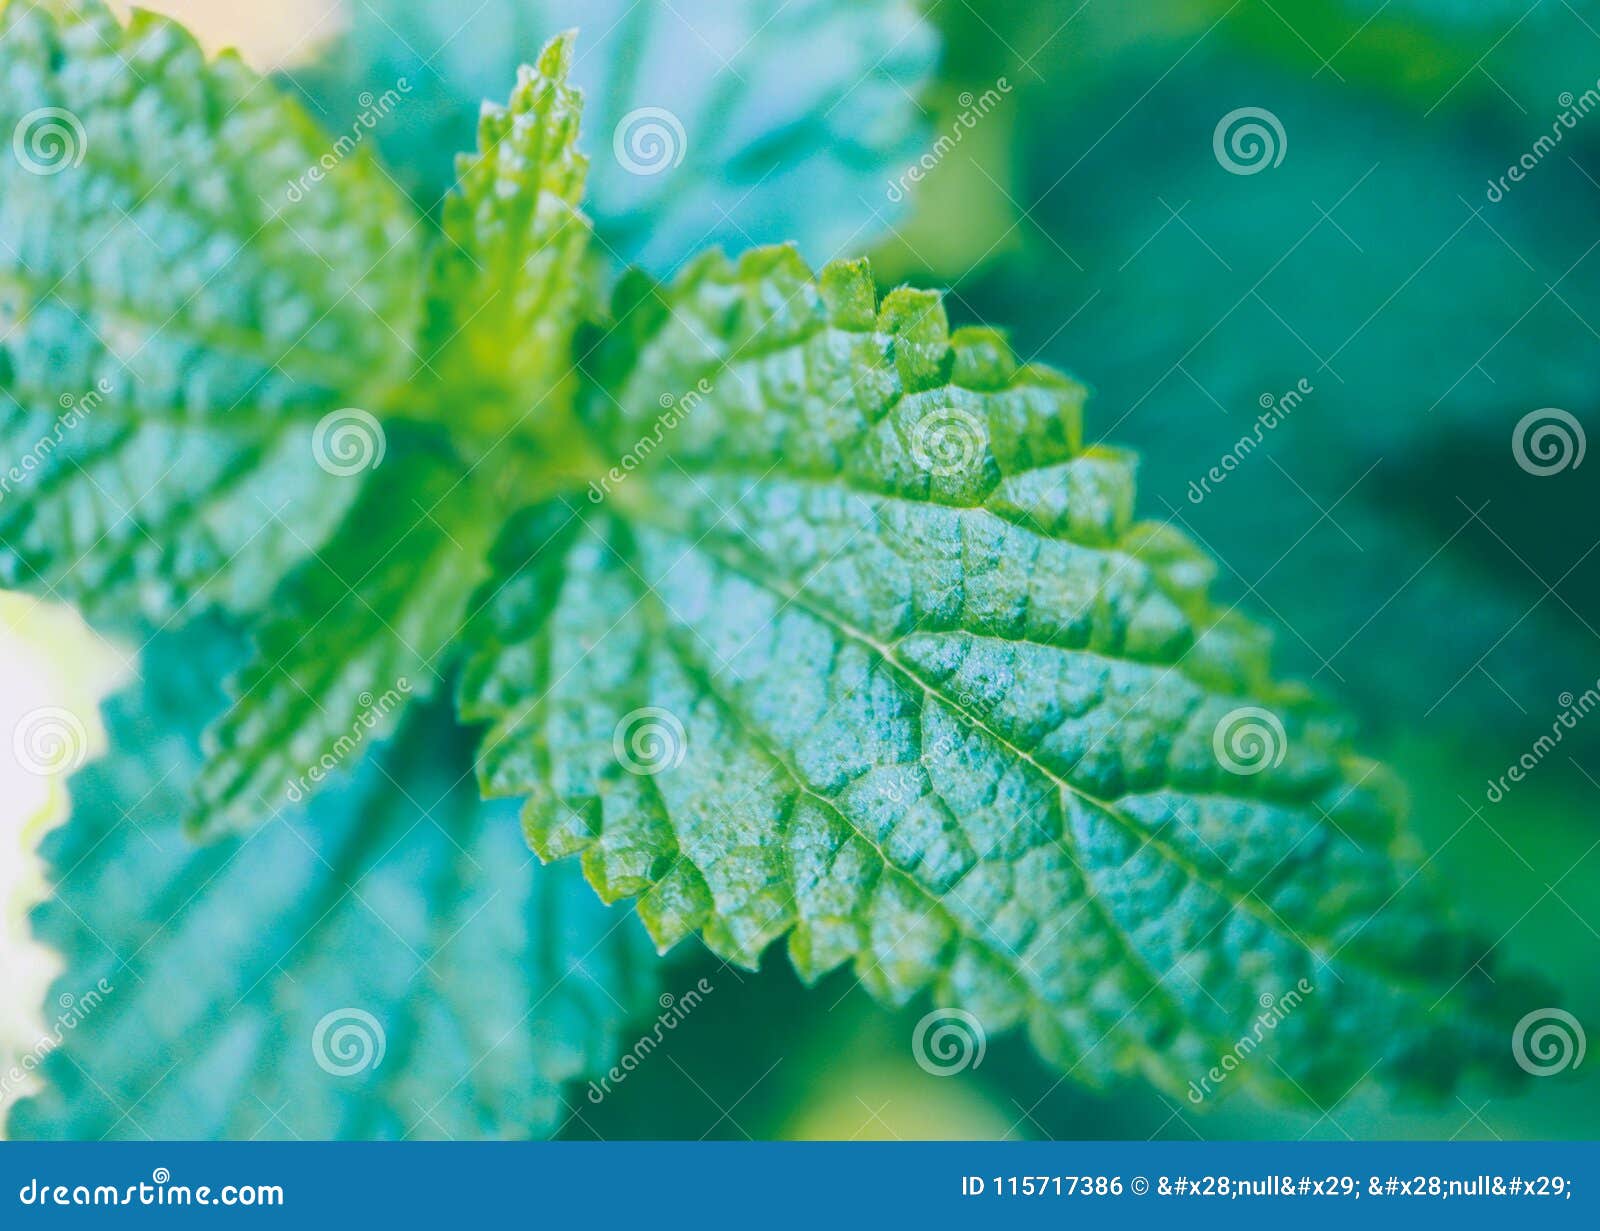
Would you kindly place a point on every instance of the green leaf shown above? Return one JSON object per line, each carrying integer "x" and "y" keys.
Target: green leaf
{"x": 366, "y": 624}
{"x": 356, "y": 634}
{"x": 152, "y": 520}
{"x": 508, "y": 282}
{"x": 759, "y": 144}
{"x": 858, "y": 645}
{"x": 493, "y": 982}
{"x": 171, "y": 322}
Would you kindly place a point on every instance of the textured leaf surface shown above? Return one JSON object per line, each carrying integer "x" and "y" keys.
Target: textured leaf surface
{"x": 774, "y": 145}
{"x": 492, "y": 981}
{"x": 169, "y": 319}
{"x": 365, "y": 625}
{"x": 871, "y": 653}
{"x": 151, "y": 520}
{"x": 508, "y": 283}
{"x": 355, "y": 635}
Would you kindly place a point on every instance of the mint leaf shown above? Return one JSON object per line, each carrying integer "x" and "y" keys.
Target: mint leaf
{"x": 355, "y": 635}
{"x": 137, "y": 519}
{"x": 508, "y": 283}
{"x": 171, "y": 324}
{"x": 491, "y": 981}
{"x": 863, "y": 648}
{"x": 365, "y": 625}
{"x": 774, "y": 145}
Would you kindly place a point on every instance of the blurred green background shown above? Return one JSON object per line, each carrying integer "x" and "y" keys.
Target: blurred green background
{"x": 1410, "y": 567}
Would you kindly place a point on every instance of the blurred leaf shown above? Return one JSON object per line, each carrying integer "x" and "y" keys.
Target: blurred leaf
{"x": 1425, "y": 333}
{"x": 735, "y": 135}
{"x": 489, "y": 982}
{"x": 169, "y": 330}
{"x": 55, "y": 671}
{"x": 353, "y": 638}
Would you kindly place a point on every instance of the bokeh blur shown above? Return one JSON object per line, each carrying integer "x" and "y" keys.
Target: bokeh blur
{"x": 1361, "y": 235}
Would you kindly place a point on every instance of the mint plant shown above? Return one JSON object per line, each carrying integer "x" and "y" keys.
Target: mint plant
{"x": 788, "y": 609}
